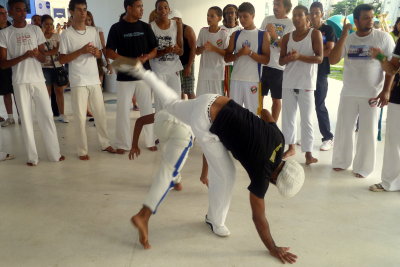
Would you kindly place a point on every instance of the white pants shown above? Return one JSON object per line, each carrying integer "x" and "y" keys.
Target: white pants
{"x": 25, "y": 94}
{"x": 80, "y": 96}
{"x": 221, "y": 168}
{"x": 351, "y": 107}
{"x": 391, "y": 156}
{"x": 304, "y": 99}
{"x": 245, "y": 93}
{"x": 125, "y": 92}
{"x": 209, "y": 87}
{"x": 173, "y": 80}
{"x": 174, "y": 155}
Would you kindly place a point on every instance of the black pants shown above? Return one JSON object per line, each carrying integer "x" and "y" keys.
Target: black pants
{"x": 322, "y": 112}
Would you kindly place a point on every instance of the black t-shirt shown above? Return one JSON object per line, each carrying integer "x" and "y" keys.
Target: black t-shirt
{"x": 131, "y": 40}
{"x": 328, "y": 35}
{"x": 256, "y": 144}
{"x": 395, "y": 95}
{"x": 186, "y": 48}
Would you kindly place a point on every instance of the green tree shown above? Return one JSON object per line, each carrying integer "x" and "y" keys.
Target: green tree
{"x": 345, "y": 7}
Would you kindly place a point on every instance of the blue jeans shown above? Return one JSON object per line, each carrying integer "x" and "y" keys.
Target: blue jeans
{"x": 322, "y": 112}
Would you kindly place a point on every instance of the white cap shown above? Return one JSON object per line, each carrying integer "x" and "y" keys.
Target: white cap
{"x": 290, "y": 179}
{"x": 175, "y": 14}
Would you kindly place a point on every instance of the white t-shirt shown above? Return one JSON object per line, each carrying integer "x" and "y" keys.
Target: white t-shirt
{"x": 168, "y": 63}
{"x": 212, "y": 64}
{"x": 53, "y": 41}
{"x": 230, "y": 31}
{"x": 363, "y": 76}
{"x": 245, "y": 68}
{"x": 83, "y": 70}
{"x": 282, "y": 27}
{"x": 18, "y": 41}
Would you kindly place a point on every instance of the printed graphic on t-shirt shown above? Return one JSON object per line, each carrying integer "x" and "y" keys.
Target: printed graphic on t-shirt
{"x": 133, "y": 34}
{"x": 254, "y": 89}
{"x": 280, "y": 31}
{"x": 323, "y": 38}
{"x": 246, "y": 43}
{"x": 164, "y": 42}
{"x": 359, "y": 52}
{"x": 220, "y": 42}
{"x": 24, "y": 39}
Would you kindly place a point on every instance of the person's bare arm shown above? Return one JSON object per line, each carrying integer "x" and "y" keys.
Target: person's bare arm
{"x": 266, "y": 116}
{"x": 212, "y": 48}
{"x": 52, "y": 52}
{"x": 317, "y": 46}
{"x": 328, "y": 48}
{"x": 112, "y": 54}
{"x": 262, "y": 226}
{"x": 191, "y": 37}
{"x": 178, "y": 48}
{"x": 384, "y": 95}
{"x": 283, "y": 57}
{"x": 5, "y": 63}
{"x": 336, "y": 54}
{"x": 229, "y": 56}
{"x": 41, "y": 57}
{"x": 390, "y": 67}
{"x": 264, "y": 57}
{"x": 204, "y": 172}
{"x": 87, "y": 49}
{"x": 142, "y": 121}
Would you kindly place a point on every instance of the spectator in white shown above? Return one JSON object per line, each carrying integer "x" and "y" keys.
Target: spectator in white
{"x": 301, "y": 52}
{"x": 231, "y": 25}
{"x": 329, "y": 39}
{"x": 21, "y": 47}
{"x": 363, "y": 79}
{"x": 36, "y": 20}
{"x": 247, "y": 51}
{"x": 170, "y": 46}
{"x": 51, "y": 63}
{"x": 211, "y": 45}
{"x": 80, "y": 46}
{"x": 391, "y": 156}
{"x": 277, "y": 26}
{"x": 6, "y": 88}
{"x": 133, "y": 38}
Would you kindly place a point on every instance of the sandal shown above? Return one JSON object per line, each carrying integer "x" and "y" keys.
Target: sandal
{"x": 377, "y": 188}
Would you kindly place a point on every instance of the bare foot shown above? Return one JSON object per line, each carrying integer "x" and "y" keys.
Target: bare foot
{"x": 62, "y": 158}
{"x": 310, "y": 159}
{"x": 153, "y": 148}
{"x": 204, "y": 180}
{"x": 178, "y": 187}
{"x": 142, "y": 225}
{"x": 110, "y": 149}
{"x": 357, "y": 175}
{"x": 85, "y": 157}
{"x": 288, "y": 153}
{"x": 338, "y": 169}
{"x": 120, "y": 151}
{"x": 30, "y": 164}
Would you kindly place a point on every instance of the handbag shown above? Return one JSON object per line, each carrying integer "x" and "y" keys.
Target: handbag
{"x": 60, "y": 72}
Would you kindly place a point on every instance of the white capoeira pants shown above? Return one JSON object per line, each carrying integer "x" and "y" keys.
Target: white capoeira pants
{"x": 245, "y": 93}
{"x": 195, "y": 113}
{"x": 80, "y": 97}
{"x": 304, "y": 99}
{"x": 209, "y": 87}
{"x": 391, "y": 155}
{"x": 351, "y": 107}
{"x": 174, "y": 154}
{"x": 173, "y": 80}
{"x": 25, "y": 94}
{"x": 125, "y": 92}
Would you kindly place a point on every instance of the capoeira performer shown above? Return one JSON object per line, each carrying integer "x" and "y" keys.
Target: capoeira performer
{"x": 301, "y": 52}
{"x": 21, "y": 47}
{"x": 391, "y": 156}
{"x": 363, "y": 79}
{"x": 220, "y": 125}
{"x": 80, "y": 47}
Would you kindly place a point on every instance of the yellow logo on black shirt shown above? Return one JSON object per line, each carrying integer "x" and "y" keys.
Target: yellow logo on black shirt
{"x": 273, "y": 156}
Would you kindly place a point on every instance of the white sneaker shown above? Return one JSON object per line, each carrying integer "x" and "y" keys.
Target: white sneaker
{"x": 222, "y": 231}
{"x": 7, "y": 122}
{"x": 62, "y": 119}
{"x": 326, "y": 145}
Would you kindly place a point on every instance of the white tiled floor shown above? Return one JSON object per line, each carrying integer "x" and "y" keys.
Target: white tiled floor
{"x": 77, "y": 213}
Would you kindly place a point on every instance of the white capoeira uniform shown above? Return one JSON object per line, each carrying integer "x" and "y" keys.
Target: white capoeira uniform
{"x": 29, "y": 86}
{"x": 125, "y": 91}
{"x": 195, "y": 113}
{"x": 299, "y": 83}
{"x": 245, "y": 77}
{"x": 85, "y": 86}
{"x": 176, "y": 139}
{"x": 166, "y": 67}
{"x": 363, "y": 79}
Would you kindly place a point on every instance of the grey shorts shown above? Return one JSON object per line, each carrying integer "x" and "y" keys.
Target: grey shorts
{"x": 187, "y": 83}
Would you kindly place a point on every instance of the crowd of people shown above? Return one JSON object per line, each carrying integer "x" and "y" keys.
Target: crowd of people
{"x": 286, "y": 58}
